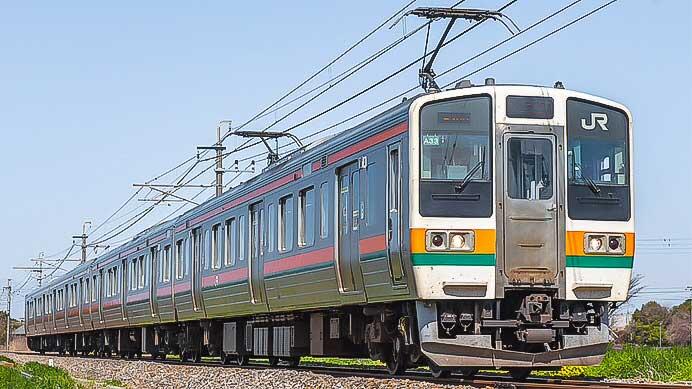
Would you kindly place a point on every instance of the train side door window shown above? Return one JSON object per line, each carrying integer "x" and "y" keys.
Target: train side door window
{"x": 231, "y": 242}
{"x": 242, "y": 234}
{"x": 132, "y": 276}
{"x": 141, "y": 272}
{"x": 271, "y": 227}
{"x": 93, "y": 289}
{"x": 306, "y": 217}
{"x": 179, "y": 251}
{"x": 166, "y": 267}
{"x": 256, "y": 231}
{"x": 216, "y": 247}
{"x": 324, "y": 210}
{"x": 286, "y": 223}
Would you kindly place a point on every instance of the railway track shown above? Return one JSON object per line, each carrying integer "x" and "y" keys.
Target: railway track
{"x": 479, "y": 381}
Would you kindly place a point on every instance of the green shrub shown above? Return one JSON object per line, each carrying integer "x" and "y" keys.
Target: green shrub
{"x": 46, "y": 377}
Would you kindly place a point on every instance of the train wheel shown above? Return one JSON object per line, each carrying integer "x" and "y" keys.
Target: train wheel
{"x": 519, "y": 373}
{"x": 225, "y": 358}
{"x": 243, "y": 360}
{"x": 293, "y": 361}
{"x": 396, "y": 360}
{"x": 184, "y": 355}
{"x": 439, "y": 372}
{"x": 273, "y": 361}
{"x": 467, "y": 372}
{"x": 196, "y": 356}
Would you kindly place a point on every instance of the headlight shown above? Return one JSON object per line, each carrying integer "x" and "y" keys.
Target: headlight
{"x": 616, "y": 244}
{"x": 449, "y": 241}
{"x": 436, "y": 240}
{"x": 594, "y": 243}
{"x": 456, "y": 241}
{"x": 613, "y": 244}
{"x": 461, "y": 240}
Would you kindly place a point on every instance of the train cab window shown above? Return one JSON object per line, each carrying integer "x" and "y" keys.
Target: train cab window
{"x": 271, "y": 227}
{"x": 306, "y": 217}
{"x": 286, "y": 223}
{"x": 242, "y": 234}
{"x": 166, "y": 265}
{"x": 231, "y": 242}
{"x": 179, "y": 252}
{"x": 597, "y": 162}
{"x": 324, "y": 210}
{"x": 455, "y": 158}
{"x": 216, "y": 247}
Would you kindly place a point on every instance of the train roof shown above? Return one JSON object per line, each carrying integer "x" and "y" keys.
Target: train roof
{"x": 293, "y": 160}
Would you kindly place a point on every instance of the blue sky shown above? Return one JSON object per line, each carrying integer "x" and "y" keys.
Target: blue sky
{"x": 95, "y": 97}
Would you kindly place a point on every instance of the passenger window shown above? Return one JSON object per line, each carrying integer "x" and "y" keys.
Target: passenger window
{"x": 324, "y": 210}
{"x": 306, "y": 217}
{"x": 286, "y": 223}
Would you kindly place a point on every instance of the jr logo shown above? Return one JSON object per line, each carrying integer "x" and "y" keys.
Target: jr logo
{"x": 596, "y": 118}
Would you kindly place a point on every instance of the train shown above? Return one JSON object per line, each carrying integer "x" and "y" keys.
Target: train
{"x": 483, "y": 226}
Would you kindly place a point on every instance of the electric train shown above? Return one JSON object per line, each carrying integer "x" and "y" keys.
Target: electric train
{"x": 484, "y": 226}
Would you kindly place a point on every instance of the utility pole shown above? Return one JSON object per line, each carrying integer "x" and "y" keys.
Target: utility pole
{"x": 8, "y": 290}
{"x": 39, "y": 260}
{"x": 219, "y": 148}
{"x": 84, "y": 237}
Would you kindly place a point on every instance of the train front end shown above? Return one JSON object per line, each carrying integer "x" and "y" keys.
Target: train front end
{"x": 521, "y": 224}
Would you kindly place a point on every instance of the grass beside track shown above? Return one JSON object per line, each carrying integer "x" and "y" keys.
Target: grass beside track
{"x": 636, "y": 362}
{"x": 34, "y": 375}
{"x": 632, "y": 362}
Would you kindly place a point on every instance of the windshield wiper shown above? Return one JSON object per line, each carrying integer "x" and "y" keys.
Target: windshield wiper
{"x": 469, "y": 176}
{"x": 589, "y": 182}
{"x": 592, "y": 185}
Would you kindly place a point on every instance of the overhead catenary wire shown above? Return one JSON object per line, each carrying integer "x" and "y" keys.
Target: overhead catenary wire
{"x": 325, "y": 67}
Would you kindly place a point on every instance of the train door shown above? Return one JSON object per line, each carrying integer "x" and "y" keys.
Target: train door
{"x": 53, "y": 305}
{"x": 396, "y": 266}
{"x": 100, "y": 295}
{"x": 153, "y": 281}
{"x": 348, "y": 229}
{"x": 530, "y": 215}
{"x": 196, "y": 270}
{"x": 80, "y": 300}
{"x": 256, "y": 262}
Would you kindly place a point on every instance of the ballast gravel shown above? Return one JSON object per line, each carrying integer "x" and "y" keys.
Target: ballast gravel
{"x": 143, "y": 374}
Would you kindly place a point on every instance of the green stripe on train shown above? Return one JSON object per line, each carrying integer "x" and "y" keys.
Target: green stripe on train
{"x": 446, "y": 259}
{"x": 600, "y": 261}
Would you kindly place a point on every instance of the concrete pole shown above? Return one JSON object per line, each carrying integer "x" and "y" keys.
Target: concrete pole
{"x": 8, "y": 289}
{"x": 219, "y": 163}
